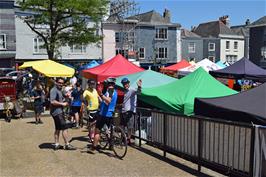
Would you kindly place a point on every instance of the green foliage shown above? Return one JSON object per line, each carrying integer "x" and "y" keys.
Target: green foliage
{"x": 61, "y": 22}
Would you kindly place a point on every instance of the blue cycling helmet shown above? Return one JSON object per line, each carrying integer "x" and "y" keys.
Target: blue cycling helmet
{"x": 125, "y": 80}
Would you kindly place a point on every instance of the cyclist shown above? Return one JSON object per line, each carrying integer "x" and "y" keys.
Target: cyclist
{"x": 76, "y": 95}
{"x": 91, "y": 99}
{"x": 107, "y": 108}
{"x": 129, "y": 106}
{"x": 57, "y": 105}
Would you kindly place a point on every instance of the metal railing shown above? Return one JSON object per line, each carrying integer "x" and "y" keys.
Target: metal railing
{"x": 223, "y": 146}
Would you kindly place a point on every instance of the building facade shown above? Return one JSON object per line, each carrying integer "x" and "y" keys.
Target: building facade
{"x": 257, "y": 42}
{"x": 244, "y": 31}
{"x": 152, "y": 38}
{"x": 7, "y": 34}
{"x": 192, "y": 46}
{"x": 34, "y": 50}
{"x": 220, "y": 42}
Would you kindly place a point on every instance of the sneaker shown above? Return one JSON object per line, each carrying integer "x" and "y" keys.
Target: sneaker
{"x": 70, "y": 147}
{"x": 40, "y": 122}
{"x": 111, "y": 147}
{"x": 97, "y": 148}
{"x": 57, "y": 147}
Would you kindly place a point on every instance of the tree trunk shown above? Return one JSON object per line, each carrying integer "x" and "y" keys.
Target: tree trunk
{"x": 51, "y": 54}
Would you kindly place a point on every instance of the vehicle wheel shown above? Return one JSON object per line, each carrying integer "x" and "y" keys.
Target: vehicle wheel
{"x": 119, "y": 142}
{"x": 103, "y": 140}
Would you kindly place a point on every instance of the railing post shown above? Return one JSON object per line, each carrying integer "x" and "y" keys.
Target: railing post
{"x": 251, "y": 158}
{"x": 199, "y": 145}
{"x": 164, "y": 134}
{"x": 139, "y": 127}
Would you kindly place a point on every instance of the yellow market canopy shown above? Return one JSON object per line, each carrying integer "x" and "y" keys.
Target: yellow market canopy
{"x": 49, "y": 68}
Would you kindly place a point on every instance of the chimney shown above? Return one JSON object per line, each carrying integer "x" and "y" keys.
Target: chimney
{"x": 248, "y": 22}
{"x": 167, "y": 15}
{"x": 193, "y": 28}
{"x": 225, "y": 20}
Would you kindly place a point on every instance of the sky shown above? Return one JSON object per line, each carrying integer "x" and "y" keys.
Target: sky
{"x": 193, "y": 12}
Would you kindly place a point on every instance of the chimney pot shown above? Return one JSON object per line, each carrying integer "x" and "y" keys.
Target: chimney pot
{"x": 167, "y": 15}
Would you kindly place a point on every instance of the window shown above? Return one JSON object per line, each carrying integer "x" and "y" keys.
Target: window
{"x": 211, "y": 58}
{"x": 131, "y": 36}
{"x": 161, "y": 53}
{"x": 117, "y": 37}
{"x": 191, "y": 47}
{"x": 235, "y": 45}
{"x": 97, "y": 32}
{"x": 227, "y": 47}
{"x": 263, "y": 52}
{"x": 38, "y": 46}
{"x": 142, "y": 53}
{"x": 161, "y": 33}
{"x": 78, "y": 49}
{"x": 231, "y": 58}
{"x": 122, "y": 52}
{"x": 2, "y": 41}
{"x": 211, "y": 46}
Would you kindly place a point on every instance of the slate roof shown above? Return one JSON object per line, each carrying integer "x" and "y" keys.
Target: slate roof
{"x": 241, "y": 30}
{"x": 149, "y": 18}
{"x": 188, "y": 34}
{"x": 213, "y": 29}
{"x": 259, "y": 22}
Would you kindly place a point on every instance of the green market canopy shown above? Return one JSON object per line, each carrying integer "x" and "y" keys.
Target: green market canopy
{"x": 149, "y": 79}
{"x": 178, "y": 96}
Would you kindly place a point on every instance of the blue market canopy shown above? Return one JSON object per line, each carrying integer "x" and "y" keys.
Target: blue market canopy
{"x": 149, "y": 79}
{"x": 89, "y": 65}
{"x": 242, "y": 69}
{"x": 221, "y": 64}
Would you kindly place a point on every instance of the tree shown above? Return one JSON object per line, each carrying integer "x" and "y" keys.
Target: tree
{"x": 61, "y": 22}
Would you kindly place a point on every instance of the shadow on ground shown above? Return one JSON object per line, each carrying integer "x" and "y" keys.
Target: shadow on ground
{"x": 31, "y": 122}
{"x": 171, "y": 162}
{"x": 79, "y": 138}
{"x": 46, "y": 146}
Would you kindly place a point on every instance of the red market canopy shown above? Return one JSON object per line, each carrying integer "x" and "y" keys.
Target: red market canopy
{"x": 116, "y": 66}
{"x": 175, "y": 67}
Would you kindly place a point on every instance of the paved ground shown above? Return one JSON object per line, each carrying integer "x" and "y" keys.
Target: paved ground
{"x": 26, "y": 150}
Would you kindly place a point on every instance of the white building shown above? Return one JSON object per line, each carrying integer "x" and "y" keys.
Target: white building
{"x": 220, "y": 42}
{"x": 29, "y": 46}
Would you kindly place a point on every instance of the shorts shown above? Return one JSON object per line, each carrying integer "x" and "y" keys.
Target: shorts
{"x": 60, "y": 122}
{"x": 103, "y": 120}
{"x": 75, "y": 109}
{"x": 38, "y": 109}
{"x": 127, "y": 119}
{"x": 92, "y": 115}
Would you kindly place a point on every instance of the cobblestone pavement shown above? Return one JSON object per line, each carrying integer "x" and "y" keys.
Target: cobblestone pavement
{"x": 26, "y": 150}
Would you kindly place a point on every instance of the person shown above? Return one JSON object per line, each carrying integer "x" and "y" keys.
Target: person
{"x": 107, "y": 108}
{"x": 76, "y": 95}
{"x": 129, "y": 106}
{"x": 57, "y": 104}
{"x": 38, "y": 95}
{"x": 74, "y": 79}
{"x": 91, "y": 99}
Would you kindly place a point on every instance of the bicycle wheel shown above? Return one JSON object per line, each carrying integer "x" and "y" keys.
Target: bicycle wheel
{"x": 119, "y": 142}
{"x": 103, "y": 140}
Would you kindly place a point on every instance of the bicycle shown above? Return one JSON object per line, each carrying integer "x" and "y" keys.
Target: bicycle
{"x": 115, "y": 137}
